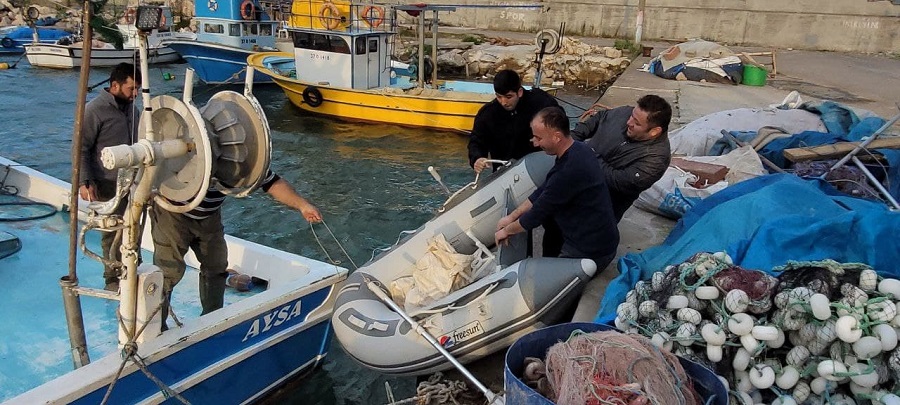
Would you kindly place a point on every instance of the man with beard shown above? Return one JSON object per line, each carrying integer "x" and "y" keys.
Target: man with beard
{"x": 632, "y": 146}
{"x": 109, "y": 119}
{"x": 501, "y": 130}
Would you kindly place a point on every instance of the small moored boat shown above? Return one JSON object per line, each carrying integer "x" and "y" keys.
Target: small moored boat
{"x": 341, "y": 66}
{"x": 517, "y": 296}
{"x": 67, "y": 52}
{"x": 13, "y": 39}
{"x": 228, "y": 31}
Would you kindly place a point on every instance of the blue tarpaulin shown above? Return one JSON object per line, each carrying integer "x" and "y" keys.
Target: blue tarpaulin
{"x": 765, "y": 222}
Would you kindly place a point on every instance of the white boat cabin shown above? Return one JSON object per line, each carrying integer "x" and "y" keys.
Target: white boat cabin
{"x": 358, "y": 61}
{"x": 242, "y": 24}
{"x": 344, "y": 45}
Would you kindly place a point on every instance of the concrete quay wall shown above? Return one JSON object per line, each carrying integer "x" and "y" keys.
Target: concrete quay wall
{"x": 834, "y": 25}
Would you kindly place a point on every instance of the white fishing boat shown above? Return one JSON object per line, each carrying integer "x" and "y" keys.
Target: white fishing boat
{"x": 228, "y": 31}
{"x": 341, "y": 67}
{"x": 511, "y": 294}
{"x": 67, "y": 52}
{"x": 260, "y": 339}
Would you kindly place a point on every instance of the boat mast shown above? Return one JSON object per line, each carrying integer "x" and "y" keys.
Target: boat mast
{"x": 69, "y": 283}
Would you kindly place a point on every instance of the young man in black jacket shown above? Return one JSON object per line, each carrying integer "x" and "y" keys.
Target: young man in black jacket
{"x": 502, "y": 128}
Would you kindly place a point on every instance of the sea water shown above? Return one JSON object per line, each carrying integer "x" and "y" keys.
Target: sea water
{"x": 370, "y": 182}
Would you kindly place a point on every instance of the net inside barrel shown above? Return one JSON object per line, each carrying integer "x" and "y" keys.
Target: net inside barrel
{"x": 611, "y": 367}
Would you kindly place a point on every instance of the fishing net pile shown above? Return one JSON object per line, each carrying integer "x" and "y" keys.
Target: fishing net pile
{"x": 819, "y": 332}
{"x": 610, "y": 367}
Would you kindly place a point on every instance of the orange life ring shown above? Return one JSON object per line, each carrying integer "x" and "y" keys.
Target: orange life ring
{"x": 248, "y": 10}
{"x": 129, "y": 15}
{"x": 330, "y": 16}
{"x": 373, "y": 16}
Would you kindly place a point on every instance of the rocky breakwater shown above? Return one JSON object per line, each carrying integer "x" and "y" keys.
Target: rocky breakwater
{"x": 12, "y": 15}
{"x": 576, "y": 63}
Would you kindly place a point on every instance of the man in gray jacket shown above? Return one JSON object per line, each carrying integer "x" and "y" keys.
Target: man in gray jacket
{"x": 632, "y": 147}
{"x": 109, "y": 119}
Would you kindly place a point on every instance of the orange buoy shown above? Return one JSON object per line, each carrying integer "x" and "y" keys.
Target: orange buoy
{"x": 330, "y": 16}
{"x": 248, "y": 10}
{"x": 373, "y": 16}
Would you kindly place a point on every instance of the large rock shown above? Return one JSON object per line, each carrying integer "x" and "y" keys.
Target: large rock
{"x": 575, "y": 62}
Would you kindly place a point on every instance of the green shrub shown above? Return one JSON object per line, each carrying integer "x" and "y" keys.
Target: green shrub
{"x": 627, "y": 47}
{"x": 476, "y": 39}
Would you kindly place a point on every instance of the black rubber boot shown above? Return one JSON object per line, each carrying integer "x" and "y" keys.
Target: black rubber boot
{"x": 212, "y": 292}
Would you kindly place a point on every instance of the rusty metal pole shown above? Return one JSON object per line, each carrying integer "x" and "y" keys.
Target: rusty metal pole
{"x": 434, "y": 49}
{"x": 71, "y": 300}
{"x": 421, "y": 61}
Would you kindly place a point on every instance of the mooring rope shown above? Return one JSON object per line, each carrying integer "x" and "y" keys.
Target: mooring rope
{"x": 330, "y": 259}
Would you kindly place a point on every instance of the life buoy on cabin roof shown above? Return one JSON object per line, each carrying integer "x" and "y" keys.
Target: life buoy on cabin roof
{"x": 248, "y": 10}
{"x": 312, "y": 96}
{"x": 373, "y": 16}
{"x": 212, "y": 5}
{"x": 330, "y": 15}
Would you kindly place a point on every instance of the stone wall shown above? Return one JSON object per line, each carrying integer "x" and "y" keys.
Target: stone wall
{"x": 836, "y": 25}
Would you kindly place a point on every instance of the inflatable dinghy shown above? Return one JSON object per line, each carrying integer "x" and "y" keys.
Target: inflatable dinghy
{"x": 518, "y": 294}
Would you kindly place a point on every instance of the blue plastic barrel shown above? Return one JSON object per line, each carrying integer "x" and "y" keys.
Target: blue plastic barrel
{"x": 535, "y": 344}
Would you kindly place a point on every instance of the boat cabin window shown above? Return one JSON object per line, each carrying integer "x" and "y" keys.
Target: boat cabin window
{"x": 321, "y": 42}
{"x": 250, "y": 29}
{"x": 214, "y": 28}
{"x": 360, "y": 46}
{"x": 265, "y": 30}
{"x": 234, "y": 30}
{"x": 373, "y": 45}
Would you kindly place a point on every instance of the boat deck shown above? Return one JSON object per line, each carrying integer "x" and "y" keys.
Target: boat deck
{"x": 34, "y": 347}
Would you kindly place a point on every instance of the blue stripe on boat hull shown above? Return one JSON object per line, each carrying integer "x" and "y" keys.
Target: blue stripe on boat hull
{"x": 217, "y": 63}
{"x": 248, "y": 375}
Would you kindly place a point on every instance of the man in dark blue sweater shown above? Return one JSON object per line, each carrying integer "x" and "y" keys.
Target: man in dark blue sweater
{"x": 574, "y": 195}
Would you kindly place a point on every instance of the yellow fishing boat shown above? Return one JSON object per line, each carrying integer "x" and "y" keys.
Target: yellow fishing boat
{"x": 341, "y": 66}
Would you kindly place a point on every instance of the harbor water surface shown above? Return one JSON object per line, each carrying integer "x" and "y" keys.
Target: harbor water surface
{"x": 370, "y": 181}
